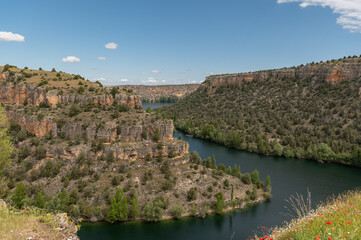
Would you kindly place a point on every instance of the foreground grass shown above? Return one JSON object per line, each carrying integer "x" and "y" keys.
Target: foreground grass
{"x": 337, "y": 219}
{"x": 29, "y": 224}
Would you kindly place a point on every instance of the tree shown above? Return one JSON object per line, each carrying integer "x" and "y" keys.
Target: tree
{"x": 53, "y": 70}
{"x": 255, "y": 176}
{"x": 134, "y": 207}
{"x": 39, "y": 200}
{"x": 6, "y": 147}
{"x": 156, "y": 136}
{"x": 267, "y": 187}
{"x": 119, "y": 208}
{"x": 192, "y": 194}
{"x": 220, "y": 204}
{"x": 177, "y": 211}
{"x": 19, "y": 195}
{"x": 153, "y": 211}
{"x": 278, "y": 149}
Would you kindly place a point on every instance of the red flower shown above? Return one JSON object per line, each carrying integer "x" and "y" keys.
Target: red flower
{"x": 348, "y": 223}
{"x": 345, "y": 236}
{"x": 264, "y": 228}
{"x": 329, "y": 239}
{"x": 351, "y": 204}
{"x": 329, "y": 223}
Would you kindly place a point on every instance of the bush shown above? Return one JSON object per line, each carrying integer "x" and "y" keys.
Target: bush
{"x": 246, "y": 178}
{"x": 177, "y": 211}
{"x": 74, "y": 110}
{"x": 153, "y": 212}
{"x": 192, "y": 194}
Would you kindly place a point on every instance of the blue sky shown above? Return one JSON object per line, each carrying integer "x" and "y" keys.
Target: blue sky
{"x": 175, "y": 41}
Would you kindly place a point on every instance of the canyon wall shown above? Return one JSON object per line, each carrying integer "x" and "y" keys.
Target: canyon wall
{"x": 12, "y": 93}
{"x": 332, "y": 72}
{"x": 154, "y": 93}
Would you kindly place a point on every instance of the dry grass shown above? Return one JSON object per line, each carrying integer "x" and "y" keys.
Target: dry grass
{"x": 27, "y": 224}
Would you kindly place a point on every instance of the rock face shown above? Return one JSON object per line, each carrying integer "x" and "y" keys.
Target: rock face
{"x": 154, "y": 93}
{"x": 333, "y": 72}
{"x": 110, "y": 132}
{"x": 11, "y": 93}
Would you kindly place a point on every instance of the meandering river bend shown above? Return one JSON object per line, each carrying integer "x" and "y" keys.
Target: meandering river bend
{"x": 289, "y": 176}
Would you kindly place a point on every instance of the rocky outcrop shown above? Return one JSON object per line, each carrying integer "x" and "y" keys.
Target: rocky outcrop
{"x": 332, "y": 72}
{"x": 32, "y": 124}
{"x": 23, "y": 93}
{"x": 111, "y": 131}
{"x": 154, "y": 93}
{"x": 125, "y": 151}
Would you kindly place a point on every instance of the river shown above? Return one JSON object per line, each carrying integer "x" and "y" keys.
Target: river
{"x": 289, "y": 176}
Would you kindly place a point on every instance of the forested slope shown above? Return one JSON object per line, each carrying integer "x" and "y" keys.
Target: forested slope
{"x": 310, "y": 111}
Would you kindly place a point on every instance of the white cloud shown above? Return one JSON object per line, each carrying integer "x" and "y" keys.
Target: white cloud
{"x": 71, "y": 59}
{"x": 163, "y": 81}
{"x": 193, "y": 81}
{"x": 152, "y": 80}
{"x": 11, "y": 37}
{"x": 155, "y": 71}
{"x": 124, "y": 80}
{"x": 349, "y": 11}
{"x": 209, "y": 73}
{"x": 111, "y": 45}
{"x": 102, "y": 58}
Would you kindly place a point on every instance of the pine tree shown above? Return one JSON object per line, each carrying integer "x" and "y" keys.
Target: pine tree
{"x": 255, "y": 176}
{"x": 112, "y": 214}
{"x": 213, "y": 164}
{"x": 134, "y": 209}
{"x": 268, "y": 184}
{"x": 39, "y": 200}
{"x": 19, "y": 195}
{"x": 220, "y": 204}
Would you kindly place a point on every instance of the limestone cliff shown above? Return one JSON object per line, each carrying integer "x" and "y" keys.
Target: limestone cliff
{"x": 331, "y": 72}
{"x": 155, "y": 93}
{"x": 12, "y": 93}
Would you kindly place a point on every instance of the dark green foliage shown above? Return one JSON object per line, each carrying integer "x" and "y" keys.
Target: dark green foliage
{"x": 220, "y": 204}
{"x": 119, "y": 208}
{"x": 134, "y": 208}
{"x": 74, "y": 110}
{"x": 156, "y": 136}
{"x": 177, "y": 211}
{"x": 192, "y": 194}
{"x": 19, "y": 195}
{"x": 300, "y": 118}
{"x": 153, "y": 211}
{"x": 267, "y": 184}
{"x": 246, "y": 178}
{"x": 255, "y": 176}
{"x": 39, "y": 200}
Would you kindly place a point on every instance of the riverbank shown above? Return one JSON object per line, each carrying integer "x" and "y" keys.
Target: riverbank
{"x": 339, "y": 218}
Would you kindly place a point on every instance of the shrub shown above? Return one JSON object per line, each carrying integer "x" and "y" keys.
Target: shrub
{"x": 192, "y": 194}
{"x": 246, "y": 178}
{"x": 177, "y": 211}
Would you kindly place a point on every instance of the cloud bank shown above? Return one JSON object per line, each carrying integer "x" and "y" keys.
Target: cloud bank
{"x": 11, "y": 37}
{"x": 111, "y": 45}
{"x": 155, "y": 71}
{"x": 70, "y": 59}
{"x": 102, "y": 58}
{"x": 349, "y": 10}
